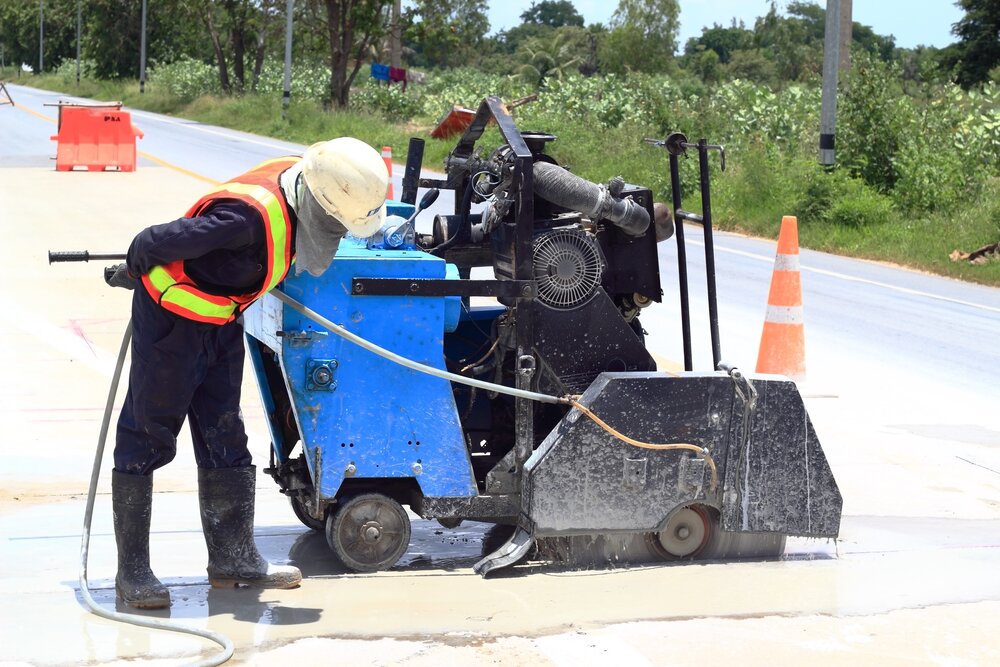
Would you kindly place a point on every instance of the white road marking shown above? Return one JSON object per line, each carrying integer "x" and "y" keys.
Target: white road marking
{"x": 855, "y": 279}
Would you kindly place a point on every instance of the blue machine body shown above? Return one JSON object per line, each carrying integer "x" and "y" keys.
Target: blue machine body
{"x": 359, "y": 415}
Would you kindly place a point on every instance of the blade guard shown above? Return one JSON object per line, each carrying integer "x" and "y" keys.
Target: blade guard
{"x": 776, "y": 479}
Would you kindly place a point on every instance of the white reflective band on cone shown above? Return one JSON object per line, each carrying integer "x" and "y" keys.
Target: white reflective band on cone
{"x": 786, "y": 263}
{"x": 784, "y": 315}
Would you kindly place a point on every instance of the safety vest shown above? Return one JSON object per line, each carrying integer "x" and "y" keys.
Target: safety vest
{"x": 172, "y": 288}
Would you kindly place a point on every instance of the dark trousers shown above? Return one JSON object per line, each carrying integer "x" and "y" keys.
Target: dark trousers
{"x": 181, "y": 368}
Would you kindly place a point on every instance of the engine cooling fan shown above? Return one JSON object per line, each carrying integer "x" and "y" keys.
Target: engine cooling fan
{"x": 567, "y": 266}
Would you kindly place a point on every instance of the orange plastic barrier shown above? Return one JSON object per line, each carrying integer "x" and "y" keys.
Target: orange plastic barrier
{"x": 96, "y": 138}
{"x": 782, "y": 343}
{"x": 387, "y": 158}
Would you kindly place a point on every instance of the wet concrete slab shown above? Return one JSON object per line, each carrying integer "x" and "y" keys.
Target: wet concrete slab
{"x": 912, "y": 579}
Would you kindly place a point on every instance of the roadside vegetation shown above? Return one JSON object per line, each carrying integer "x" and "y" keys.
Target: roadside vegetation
{"x": 918, "y": 135}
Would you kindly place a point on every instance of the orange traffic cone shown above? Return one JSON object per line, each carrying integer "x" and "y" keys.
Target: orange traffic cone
{"x": 782, "y": 343}
{"x": 387, "y": 158}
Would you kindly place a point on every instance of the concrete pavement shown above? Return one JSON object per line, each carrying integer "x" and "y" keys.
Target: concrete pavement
{"x": 912, "y": 580}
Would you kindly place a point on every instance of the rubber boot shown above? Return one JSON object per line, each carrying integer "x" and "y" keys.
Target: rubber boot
{"x": 227, "y": 506}
{"x": 135, "y": 584}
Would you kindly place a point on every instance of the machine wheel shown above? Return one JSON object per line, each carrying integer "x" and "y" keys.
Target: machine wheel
{"x": 303, "y": 515}
{"x": 369, "y": 532}
{"x": 686, "y": 534}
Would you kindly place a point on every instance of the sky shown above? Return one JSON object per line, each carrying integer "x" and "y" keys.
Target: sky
{"x": 929, "y": 25}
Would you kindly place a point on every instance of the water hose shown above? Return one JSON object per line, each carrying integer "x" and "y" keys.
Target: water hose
{"x": 156, "y": 624}
{"x": 490, "y": 386}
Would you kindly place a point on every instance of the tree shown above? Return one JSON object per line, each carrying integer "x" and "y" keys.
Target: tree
{"x": 792, "y": 44}
{"x": 510, "y": 41}
{"x": 551, "y": 58}
{"x": 447, "y": 32}
{"x": 112, "y": 30}
{"x": 724, "y": 41}
{"x": 352, "y": 27}
{"x": 553, "y": 13}
{"x": 643, "y": 36}
{"x": 751, "y": 65}
{"x": 19, "y": 31}
{"x": 978, "y": 35}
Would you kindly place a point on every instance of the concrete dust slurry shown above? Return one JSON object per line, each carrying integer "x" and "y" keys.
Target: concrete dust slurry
{"x": 912, "y": 580}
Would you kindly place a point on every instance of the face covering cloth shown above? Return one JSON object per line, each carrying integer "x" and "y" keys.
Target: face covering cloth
{"x": 318, "y": 234}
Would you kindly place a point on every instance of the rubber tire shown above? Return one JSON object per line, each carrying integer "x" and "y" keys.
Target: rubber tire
{"x": 302, "y": 515}
{"x": 354, "y": 513}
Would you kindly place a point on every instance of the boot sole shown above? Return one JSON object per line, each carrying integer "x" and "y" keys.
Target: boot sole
{"x": 140, "y": 604}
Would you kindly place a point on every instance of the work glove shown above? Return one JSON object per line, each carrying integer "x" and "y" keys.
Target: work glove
{"x": 119, "y": 276}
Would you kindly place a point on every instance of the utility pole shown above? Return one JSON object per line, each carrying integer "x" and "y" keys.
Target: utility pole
{"x": 286, "y": 95}
{"x": 846, "y": 34}
{"x": 831, "y": 60}
{"x": 41, "y": 36}
{"x": 396, "y": 35}
{"x": 142, "y": 52}
{"x": 79, "y": 23}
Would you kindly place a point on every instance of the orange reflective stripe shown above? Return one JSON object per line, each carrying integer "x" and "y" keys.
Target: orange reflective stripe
{"x": 170, "y": 285}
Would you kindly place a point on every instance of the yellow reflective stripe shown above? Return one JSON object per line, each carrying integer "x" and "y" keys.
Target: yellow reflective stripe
{"x": 277, "y": 229}
{"x": 171, "y": 292}
{"x": 161, "y": 279}
{"x": 196, "y": 304}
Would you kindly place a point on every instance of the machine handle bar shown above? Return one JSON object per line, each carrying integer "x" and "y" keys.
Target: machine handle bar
{"x": 81, "y": 256}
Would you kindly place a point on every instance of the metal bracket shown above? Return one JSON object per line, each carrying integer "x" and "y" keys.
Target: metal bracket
{"x": 301, "y": 338}
{"x": 320, "y": 374}
{"x": 511, "y": 289}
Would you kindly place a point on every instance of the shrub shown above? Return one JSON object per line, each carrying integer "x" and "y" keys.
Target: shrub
{"x": 860, "y": 206}
{"x": 389, "y": 101}
{"x": 67, "y": 69}
{"x": 186, "y": 78}
{"x": 874, "y": 119}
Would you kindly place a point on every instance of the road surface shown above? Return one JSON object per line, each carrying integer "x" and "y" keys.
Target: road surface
{"x": 901, "y": 387}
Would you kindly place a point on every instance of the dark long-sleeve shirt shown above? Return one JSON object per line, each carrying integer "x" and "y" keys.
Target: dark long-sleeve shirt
{"x": 225, "y": 248}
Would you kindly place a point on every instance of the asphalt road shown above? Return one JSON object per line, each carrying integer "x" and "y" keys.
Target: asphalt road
{"x": 901, "y": 387}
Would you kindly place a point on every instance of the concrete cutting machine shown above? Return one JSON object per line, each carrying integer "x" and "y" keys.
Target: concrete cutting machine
{"x": 619, "y": 462}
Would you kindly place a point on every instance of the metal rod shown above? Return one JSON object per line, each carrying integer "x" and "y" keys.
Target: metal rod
{"x": 82, "y": 256}
{"x": 706, "y": 212}
{"x": 682, "y": 276}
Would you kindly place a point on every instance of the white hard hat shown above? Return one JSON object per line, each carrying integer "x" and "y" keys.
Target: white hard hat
{"x": 349, "y": 179}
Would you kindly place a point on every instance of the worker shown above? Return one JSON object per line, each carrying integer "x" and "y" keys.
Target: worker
{"x": 198, "y": 274}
